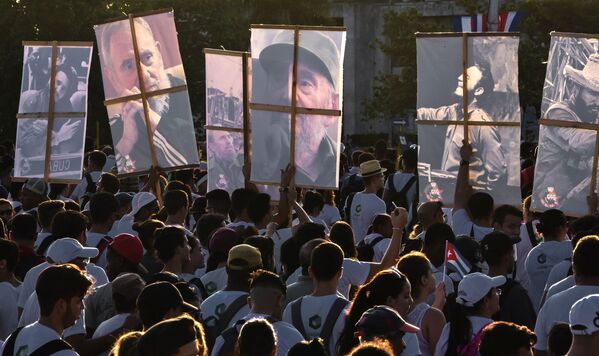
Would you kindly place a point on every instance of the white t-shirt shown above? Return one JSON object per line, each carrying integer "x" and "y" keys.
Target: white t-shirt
{"x": 329, "y": 214}
{"x": 462, "y": 225}
{"x": 9, "y": 318}
{"x": 540, "y": 261}
{"x": 28, "y": 286}
{"x": 314, "y": 312}
{"x": 93, "y": 240}
{"x": 215, "y": 305}
{"x": 79, "y": 190}
{"x": 108, "y": 326}
{"x": 125, "y": 225}
{"x": 380, "y": 248}
{"x": 557, "y": 308}
{"x": 34, "y": 336}
{"x": 477, "y": 322}
{"x": 279, "y": 237}
{"x": 558, "y": 272}
{"x": 31, "y": 313}
{"x": 286, "y": 335}
{"x": 215, "y": 280}
{"x": 400, "y": 179}
{"x": 412, "y": 346}
{"x": 240, "y": 224}
{"x": 522, "y": 249}
{"x": 41, "y": 236}
{"x": 561, "y": 286}
{"x": 364, "y": 207}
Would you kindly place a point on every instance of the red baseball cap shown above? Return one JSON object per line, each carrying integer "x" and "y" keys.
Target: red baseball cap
{"x": 130, "y": 248}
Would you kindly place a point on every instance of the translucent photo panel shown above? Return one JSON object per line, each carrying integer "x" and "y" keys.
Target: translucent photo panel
{"x": 563, "y": 169}
{"x": 436, "y": 184}
{"x": 570, "y": 91}
{"x": 117, "y": 59}
{"x": 225, "y": 160}
{"x": 30, "y": 150}
{"x": 35, "y": 82}
{"x": 320, "y": 69}
{"x": 317, "y": 151}
{"x": 224, "y": 90}
{"x": 272, "y": 66}
{"x": 67, "y": 152}
{"x": 174, "y": 135}
{"x": 269, "y": 145}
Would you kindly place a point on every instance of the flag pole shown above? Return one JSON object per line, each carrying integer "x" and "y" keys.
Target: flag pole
{"x": 445, "y": 261}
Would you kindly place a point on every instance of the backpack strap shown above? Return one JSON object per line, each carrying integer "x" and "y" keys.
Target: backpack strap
{"x": 376, "y": 241}
{"x": 531, "y": 234}
{"x": 201, "y": 288}
{"x": 91, "y": 186}
{"x": 472, "y": 231}
{"x": 408, "y": 185}
{"x": 296, "y": 316}
{"x": 471, "y": 349}
{"x": 9, "y": 346}
{"x": 102, "y": 245}
{"x": 51, "y": 348}
{"x": 332, "y": 316}
{"x": 230, "y": 336}
{"x": 43, "y": 247}
{"x": 232, "y": 309}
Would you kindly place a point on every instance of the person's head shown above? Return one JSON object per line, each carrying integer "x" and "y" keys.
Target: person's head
{"x": 69, "y": 224}
{"x": 471, "y": 251}
{"x": 430, "y": 213}
{"x": 46, "y": 212}
{"x": 125, "y": 290}
{"x": 38, "y": 59}
{"x": 377, "y": 347}
{"x": 314, "y": 347}
{"x": 9, "y": 257}
{"x": 257, "y": 337}
{"x": 33, "y": 192}
{"x": 313, "y": 203}
{"x": 418, "y": 269}
{"x": 559, "y": 340}
{"x": 584, "y": 258}
{"x": 507, "y": 219}
{"x": 6, "y": 211}
{"x": 240, "y": 200}
{"x": 385, "y": 323}
{"x": 408, "y": 160}
{"x": 146, "y": 232}
{"x": 506, "y": 339}
{"x": 479, "y": 82}
{"x": 584, "y": 321}
{"x": 143, "y": 205}
{"x": 267, "y": 293}
{"x": 498, "y": 250}
{"x": 221, "y": 242}
{"x": 266, "y": 246}
{"x": 68, "y": 250}
{"x": 259, "y": 210}
{"x": 103, "y": 208}
{"x": 124, "y": 255}
{"x": 478, "y": 293}
{"x": 23, "y": 229}
{"x": 305, "y": 254}
{"x": 207, "y": 225}
{"x": 108, "y": 183}
{"x": 480, "y": 206}
{"x": 126, "y": 345}
{"x": 221, "y": 146}
{"x": 170, "y": 243}
{"x": 553, "y": 225}
{"x": 326, "y": 263}
{"x": 381, "y": 224}
{"x": 65, "y": 84}
{"x": 178, "y": 336}
{"x": 434, "y": 242}
{"x": 176, "y": 203}
{"x": 586, "y": 92}
{"x": 196, "y": 259}
{"x": 242, "y": 260}
{"x": 60, "y": 291}
{"x": 343, "y": 235}
{"x": 159, "y": 301}
{"x": 218, "y": 202}
{"x": 96, "y": 161}
{"x": 372, "y": 174}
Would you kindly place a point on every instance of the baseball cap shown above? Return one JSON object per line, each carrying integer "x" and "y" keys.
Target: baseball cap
{"x": 123, "y": 198}
{"x": 474, "y": 286}
{"x": 382, "y": 320}
{"x": 36, "y": 185}
{"x": 140, "y": 200}
{"x": 128, "y": 285}
{"x": 497, "y": 243}
{"x": 584, "y": 315}
{"x": 67, "y": 249}
{"x": 162, "y": 296}
{"x": 244, "y": 257}
{"x": 130, "y": 248}
{"x": 223, "y": 240}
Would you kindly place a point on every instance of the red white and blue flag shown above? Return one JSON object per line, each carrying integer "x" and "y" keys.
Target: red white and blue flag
{"x": 456, "y": 261}
{"x": 507, "y": 21}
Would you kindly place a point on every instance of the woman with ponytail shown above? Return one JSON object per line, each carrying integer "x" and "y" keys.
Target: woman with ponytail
{"x": 478, "y": 300}
{"x": 389, "y": 287}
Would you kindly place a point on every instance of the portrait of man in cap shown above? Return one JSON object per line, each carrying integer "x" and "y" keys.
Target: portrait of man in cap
{"x": 318, "y": 86}
{"x": 225, "y": 160}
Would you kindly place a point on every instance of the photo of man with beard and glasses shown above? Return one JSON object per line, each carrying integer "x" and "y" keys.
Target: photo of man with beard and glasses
{"x": 225, "y": 160}
{"x": 565, "y": 154}
{"x": 319, "y": 86}
{"x": 169, "y": 114}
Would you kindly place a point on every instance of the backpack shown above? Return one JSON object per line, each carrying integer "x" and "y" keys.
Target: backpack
{"x": 48, "y": 348}
{"x": 327, "y": 328}
{"x": 366, "y": 250}
{"x": 43, "y": 247}
{"x": 351, "y": 185}
{"x": 201, "y": 288}
{"x": 220, "y": 324}
{"x": 89, "y": 190}
{"x": 347, "y": 207}
{"x": 102, "y": 245}
{"x": 531, "y": 234}
{"x": 471, "y": 349}
{"x": 231, "y": 335}
{"x": 400, "y": 198}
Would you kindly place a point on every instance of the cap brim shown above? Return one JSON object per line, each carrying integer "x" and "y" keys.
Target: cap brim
{"x": 383, "y": 170}
{"x": 88, "y": 252}
{"x": 498, "y": 281}
{"x": 409, "y": 328}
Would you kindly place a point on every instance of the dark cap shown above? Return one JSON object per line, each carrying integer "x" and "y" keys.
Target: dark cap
{"x": 223, "y": 240}
{"x": 497, "y": 243}
{"x": 381, "y": 321}
{"x": 166, "y": 337}
{"x": 162, "y": 296}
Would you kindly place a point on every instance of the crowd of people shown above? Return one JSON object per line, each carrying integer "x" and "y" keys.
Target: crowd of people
{"x": 117, "y": 266}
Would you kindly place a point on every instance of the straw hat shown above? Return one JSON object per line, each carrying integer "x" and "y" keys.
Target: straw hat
{"x": 588, "y": 77}
{"x": 371, "y": 168}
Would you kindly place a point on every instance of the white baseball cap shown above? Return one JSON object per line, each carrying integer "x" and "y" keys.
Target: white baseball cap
{"x": 474, "y": 286}
{"x": 584, "y": 315}
{"x": 140, "y": 200}
{"x": 67, "y": 249}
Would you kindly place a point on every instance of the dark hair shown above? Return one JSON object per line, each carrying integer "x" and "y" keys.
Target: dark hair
{"x": 146, "y": 232}
{"x": 410, "y": 158}
{"x": 314, "y": 347}
{"x": 166, "y": 336}
{"x": 266, "y": 279}
{"x": 46, "y": 211}
{"x": 266, "y": 246}
{"x": 343, "y": 235}
{"x": 258, "y": 207}
{"x": 326, "y": 261}
{"x": 584, "y": 257}
{"x": 206, "y": 226}
{"x": 60, "y": 282}
{"x": 102, "y": 207}
{"x": 460, "y": 327}
{"x": 23, "y": 227}
{"x": 72, "y": 206}
{"x": 174, "y": 200}
{"x": 583, "y": 224}
{"x": 167, "y": 239}
{"x": 378, "y": 221}
{"x": 368, "y": 180}
{"x": 551, "y": 222}
{"x": 290, "y": 249}
{"x": 68, "y": 223}
{"x": 385, "y": 284}
{"x": 560, "y": 339}
{"x": 126, "y": 345}
{"x": 480, "y": 205}
{"x": 109, "y": 183}
{"x": 414, "y": 265}
{"x": 502, "y": 338}
{"x": 306, "y": 254}
{"x": 219, "y": 200}
{"x": 365, "y": 157}
{"x": 438, "y": 233}
{"x": 376, "y": 347}
{"x": 257, "y": 338}
{"x": 9, "y": 251}
{"x": 240, "y": 200}
{"x": 494, "y": 252}
{"x": 503, "y": 211}
{"x": 313, "y": 200}
{"x": 471, "y": 251}
{"x": 122, "y": 304}
{"x": 188, "y": 294}
{"x": 98, "y": 158}
{"x": 162, "y": 277}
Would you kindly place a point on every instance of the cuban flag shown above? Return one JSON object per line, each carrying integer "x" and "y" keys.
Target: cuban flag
{"x": 456, "y": 261}
{"x": 509, "y": 21}
{"x": 476, "y": 23}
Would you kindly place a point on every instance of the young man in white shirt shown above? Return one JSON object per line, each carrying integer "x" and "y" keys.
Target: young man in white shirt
{"x": 103, "y": 207}
{"x": 380, "y": 236}
{"x": 240, "y": 199}
{"x": 45, "y": 213}
{"x": 556, "y": 308}
{"x": 143, "y": 206}
{"x": 404, "y": 181}
{"x": 93, "y": 171}
{"x": 584, "y": 326}
{"x": 176, "y": 205}
{"x": 266, "y": 300}
{"x": 9, "y": 255}
{"x": 365, "y": 205}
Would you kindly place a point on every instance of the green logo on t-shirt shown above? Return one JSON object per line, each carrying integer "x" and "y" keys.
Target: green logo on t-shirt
{"x": 22, "y": 351}
{"x": 314, "y": 322}
{"x": 210, "y": 287}
{"x": 220, "y": 309}
{"x": 358, "y": 208}
{"x": 542, "y": 258}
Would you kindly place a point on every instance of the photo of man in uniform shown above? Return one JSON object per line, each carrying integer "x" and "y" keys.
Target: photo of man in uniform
{"x": 225, "y": 160}
{"x": 169, "y": 114}
{"x": 318, "y": 87}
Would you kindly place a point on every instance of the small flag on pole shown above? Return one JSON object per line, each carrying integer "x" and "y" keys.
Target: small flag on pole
{"x": 455, "y": 260}
{"x": 476, "y": 23}
{"x": 509, "y": 21}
